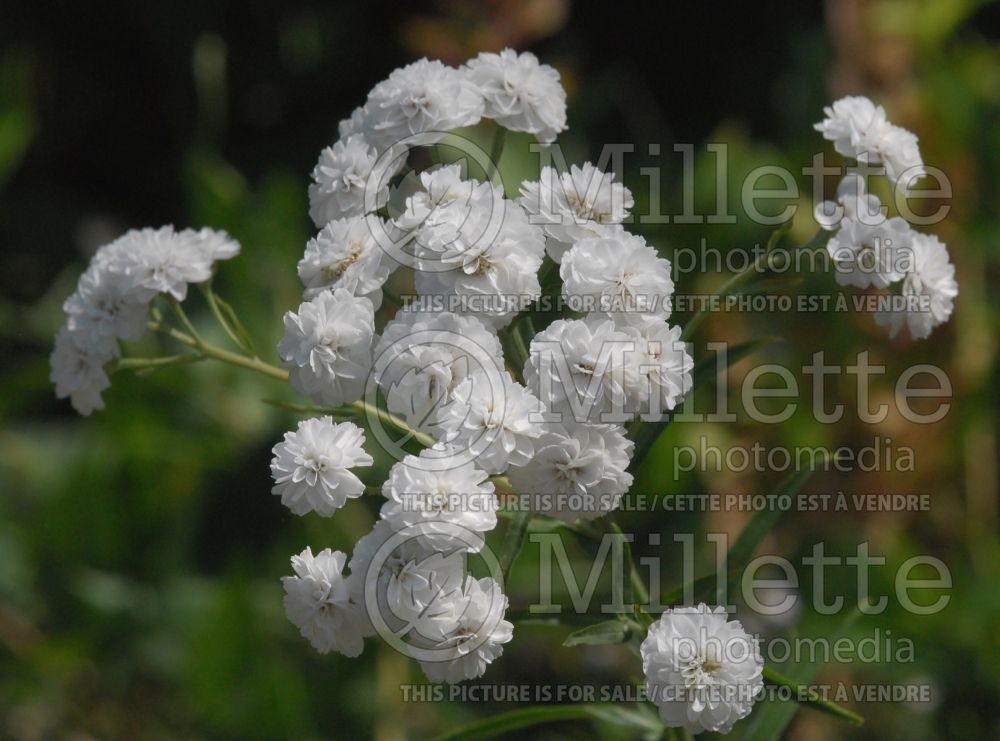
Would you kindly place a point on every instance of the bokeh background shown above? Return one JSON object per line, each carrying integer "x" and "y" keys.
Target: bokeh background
{"x": 140, "y": 549}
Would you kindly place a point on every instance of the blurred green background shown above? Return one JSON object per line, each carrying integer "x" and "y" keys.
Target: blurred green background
{"x": 140, "y": 549}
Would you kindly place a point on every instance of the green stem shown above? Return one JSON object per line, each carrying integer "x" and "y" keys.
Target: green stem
{"x": 496, "y": 150}
{"x": 811, "y": 697}
{"x": 762, "y": 264}
{"x": 640, "y": 593}
{"x": 206, "y": 350}
{"x": 206, "y": 289}
{"x": 513, "y": 541}
{"x": 141, "y": 364}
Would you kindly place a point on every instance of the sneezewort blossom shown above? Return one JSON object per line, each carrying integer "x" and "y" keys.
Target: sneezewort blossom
{"x": 78, "y": 372}
{"x": 929, "y": 286}
{"x": 425, "y": 97}
{"x": 312, "y": 466}
{"x": 578, "y": 470}
{"x": 318, "y": 602}
{"x": 435, "y": 496}
{"x": 477, "y": 638}
{"x": 347, "y": 254}
{"x": 347, "y": 174}
{"x": 859, "y": 129}
{"x": 422, "y": 356}
{"x": 616, "y": 272}
{"x": 327, "y": 346}
{"x": 703, "y": 671}
{"x": 495, "y": 419}
{"x": 574, "y": 205}
{"x": 520, "y": 94}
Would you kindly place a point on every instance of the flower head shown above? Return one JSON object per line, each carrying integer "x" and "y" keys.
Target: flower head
{"x": 318, "y": 602}
{"x": 311, "y": 466}
{"x": 423, "y": 97}
{"x": 346, "y": 254}
{"x": 520, "y": 94}
{"x": 342, "y": 177}
{"x": 703, "y": 671}
{"x": 327, "y": 346}
{"x": 929, "y": 288}
{"x": 574, "y": 205}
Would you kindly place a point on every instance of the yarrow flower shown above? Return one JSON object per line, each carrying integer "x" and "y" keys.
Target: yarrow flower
{"x": 425, "y": 97}
{"x": 318, "y": 602}
{"x": 929, "y": 286}
{"x": 577, "y": 471}
{"x": 520, "y": 94}
{"x": 476, "y": 639}
{"x": 860, "y": 130}
{"x": 586, "y": 369}
{"x": 495, "y": 419}
{"x": 311, "y": 466}
{"x": 347, "y": 173}
{"x": 574, "y": 205}
{"x": 347, "y": 254}
{"x": 703, "y": 671}
{"x": 664, "y": 364}
{"x": 327, "y": 346}
{"x": 473, "y": 244}
{"x": 411, "y": 587}
{"x": 434, "y": 494}
{"x": 616, "y": 272}
{"x": 112, "y": 297}
{"x": 421, "y": 358}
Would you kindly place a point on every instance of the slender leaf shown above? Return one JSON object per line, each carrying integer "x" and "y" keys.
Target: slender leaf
{"x": 514, "y": 720}
{"x": 602, "y": 634}
{"x": 808, "y": 697}
{"x": 760, "y": 525}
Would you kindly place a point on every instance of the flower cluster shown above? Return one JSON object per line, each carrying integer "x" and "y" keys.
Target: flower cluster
{"x": 869, "y": 250}
{"x": 112, "y": 298}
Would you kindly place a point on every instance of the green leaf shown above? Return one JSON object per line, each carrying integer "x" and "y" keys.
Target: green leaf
{"x": 513, "y": 540}
{"x": 771, "y": 719}
{"x": 811, "y": 699}
{"x": 638, "y": 719}
{"x": 602, "y": 634}
{"x": 751, "y": 536}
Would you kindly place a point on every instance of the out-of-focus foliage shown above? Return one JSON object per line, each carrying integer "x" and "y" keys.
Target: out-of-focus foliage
{"x": 140, "y": 549}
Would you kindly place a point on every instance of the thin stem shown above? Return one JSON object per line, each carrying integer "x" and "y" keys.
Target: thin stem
{"x": 393, "y": 421}
{"x": 182, "y": 316}
{"x": 217, "y": 353}
{"x": 513, "y": 541}
{"x": 763, "y": 263}
{"x": 640, "y": 593}
{"x": 141, "y": 364}
{"x": 496, "y": 150}
{"x": 206, "y": 289}
{"x": 804, "y": 694}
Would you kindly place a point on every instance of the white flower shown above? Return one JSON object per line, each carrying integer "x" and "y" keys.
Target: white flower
{"x": 576, "y": 471}
{"x": 106, "y": 306}
{"x": 616, "y": 272}
{"x": 423, "y": 97}
{"x": 860, "y": 130}
{"x": 663, "y": 363}
{"x": 343, "y": 176}
{"x": 866, "y": 255}
{"x": 353, "y": 125}
{"x": 930, "y": 286}
{"x": 162, "y": 260}
{"x": 703, "y": 672}
{"x": 574, "y": 205}
{"x": 495, "y": 419}
{"x": 327, "y": 346}
{"x": 475, "y": 245}
{"x": 852, "y": 203}
{"x": 437, "y": 494}
{"x": 411, "y": 587}
{"x": 477, "y": 639}
{"x": 421, "y": 358}
{"x": 318, "y": 602}
{"x": 346, "y": 254}
{"x": 311, "y": 466}
{"x": 586, "y": 369}
{"x": 215, "y": 244}
{"x": 78, "y": 372}
{"x": 520, "y": 93}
